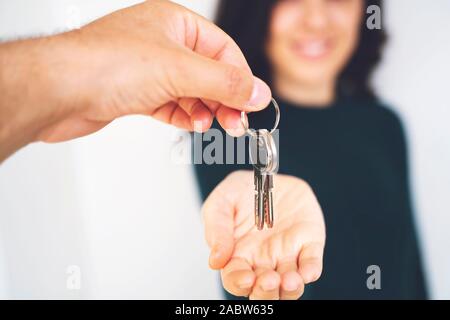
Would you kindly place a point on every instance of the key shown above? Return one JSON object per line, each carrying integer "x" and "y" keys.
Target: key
{"x": 268, "y": 186}
{"x": 262, "y": 144}
{"x": 265, "y": 162}
{"x": 268, "y": 171}
{"x": 257, "y": 150}
{"x": 259, "y": 200}
{"x": 268, "y": 201}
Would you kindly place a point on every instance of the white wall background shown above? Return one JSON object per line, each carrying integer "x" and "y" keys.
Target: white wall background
{"x": 414, "y": 79}
{"x": 116, "y": 206}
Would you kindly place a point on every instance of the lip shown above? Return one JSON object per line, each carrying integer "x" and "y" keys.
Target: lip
{"x": 316, "y": 49}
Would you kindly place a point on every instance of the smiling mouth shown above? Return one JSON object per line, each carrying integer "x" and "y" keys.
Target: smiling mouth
{"x": 312, "y": 49}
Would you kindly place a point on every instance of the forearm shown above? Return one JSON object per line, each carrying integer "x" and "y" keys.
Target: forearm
{"x": 155, "y": 58}
{"x": 31, "y": 90}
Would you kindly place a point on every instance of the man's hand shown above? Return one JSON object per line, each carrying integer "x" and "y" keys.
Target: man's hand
{"x": 270, "y": 264}
{"x": 156, "y": 58}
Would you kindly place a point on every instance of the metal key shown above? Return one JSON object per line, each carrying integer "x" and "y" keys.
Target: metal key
{"x": 268, "y": 181}
{"x": 265, "y": 163}
{"x": 259, "y": 166}
{"x": 264, "y": 168}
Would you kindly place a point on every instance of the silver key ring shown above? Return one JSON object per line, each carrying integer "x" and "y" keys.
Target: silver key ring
{"x": 265, "y": 140}
{"x": 251, "y": 131}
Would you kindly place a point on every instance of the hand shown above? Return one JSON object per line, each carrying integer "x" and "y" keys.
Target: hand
{"x": 156, "y": 58}
{"x": 269, "y": 264}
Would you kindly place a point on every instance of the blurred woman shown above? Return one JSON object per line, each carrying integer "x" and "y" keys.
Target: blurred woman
{"x": 318, "y": 56}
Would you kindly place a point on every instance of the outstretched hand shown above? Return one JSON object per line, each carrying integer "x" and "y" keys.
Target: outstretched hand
{"x": 269, "y": 264}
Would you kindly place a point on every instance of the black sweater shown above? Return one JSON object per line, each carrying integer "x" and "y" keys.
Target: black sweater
{"x": 353, "y": 154}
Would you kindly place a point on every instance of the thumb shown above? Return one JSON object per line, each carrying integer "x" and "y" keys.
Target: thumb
{"x": 197, "y": 76}
{"x": 220, "y": 254}
{"x": 219, "y": 226}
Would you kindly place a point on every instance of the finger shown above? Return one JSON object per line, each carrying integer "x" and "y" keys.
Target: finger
{"x": 207, "y": 39}
{"x": 181, "y": 119}
{"x": 218, "y": 216}
{"x": 171, "y": 113}
{"x": 230, "y": 121}
{"x": 201, "y": 120}
{"x": 228, "y": 118}
{"x": 165, "y": 112}
{"x": 267, "y": 285}
{"x": 238, "y": 277}
{"x": 310, "y": 261}
{"x": 200, "y": 116}
{"x": 201, "y": 77}
{"x": 292, "y": 286}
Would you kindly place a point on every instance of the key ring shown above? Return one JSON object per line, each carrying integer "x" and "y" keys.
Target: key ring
{"x": 265, "y": 140}
{"x": 251, "y": 131}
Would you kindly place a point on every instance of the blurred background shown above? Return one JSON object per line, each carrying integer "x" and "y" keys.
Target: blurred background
{"x": 115, "y": 206}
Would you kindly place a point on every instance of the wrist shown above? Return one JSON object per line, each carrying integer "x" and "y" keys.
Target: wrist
{"x": 21, "y": 110}
{"x": 40, "y": 86}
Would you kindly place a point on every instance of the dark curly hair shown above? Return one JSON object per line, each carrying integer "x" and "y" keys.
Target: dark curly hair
{"x": 247, "y": 22}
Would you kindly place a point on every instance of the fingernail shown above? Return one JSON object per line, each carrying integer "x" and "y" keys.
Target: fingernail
{"x": 214, "y": 256}
{"x": 236, "y": 132}
{"x": 268, "y": 286}
{"x": 215, "y": 252}
{"x": 311, "y": 277}
{"x": 235, "y": 127}
{"x": 201, "y": 125}
{"x": 290, "y": 286}
{"x": 261, "y": 94}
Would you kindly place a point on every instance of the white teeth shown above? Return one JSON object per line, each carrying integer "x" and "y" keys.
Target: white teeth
{"x": 313, "y": 48}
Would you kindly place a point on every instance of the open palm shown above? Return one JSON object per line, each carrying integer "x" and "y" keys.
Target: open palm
{"x": 273, "y": 263}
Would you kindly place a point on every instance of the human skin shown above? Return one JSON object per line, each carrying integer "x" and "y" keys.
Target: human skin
{"x": 309, "y": 43}
{"x": 156, "y": 58}
{"x": 161, "y": 60}
{"x": 273, "y": 263}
